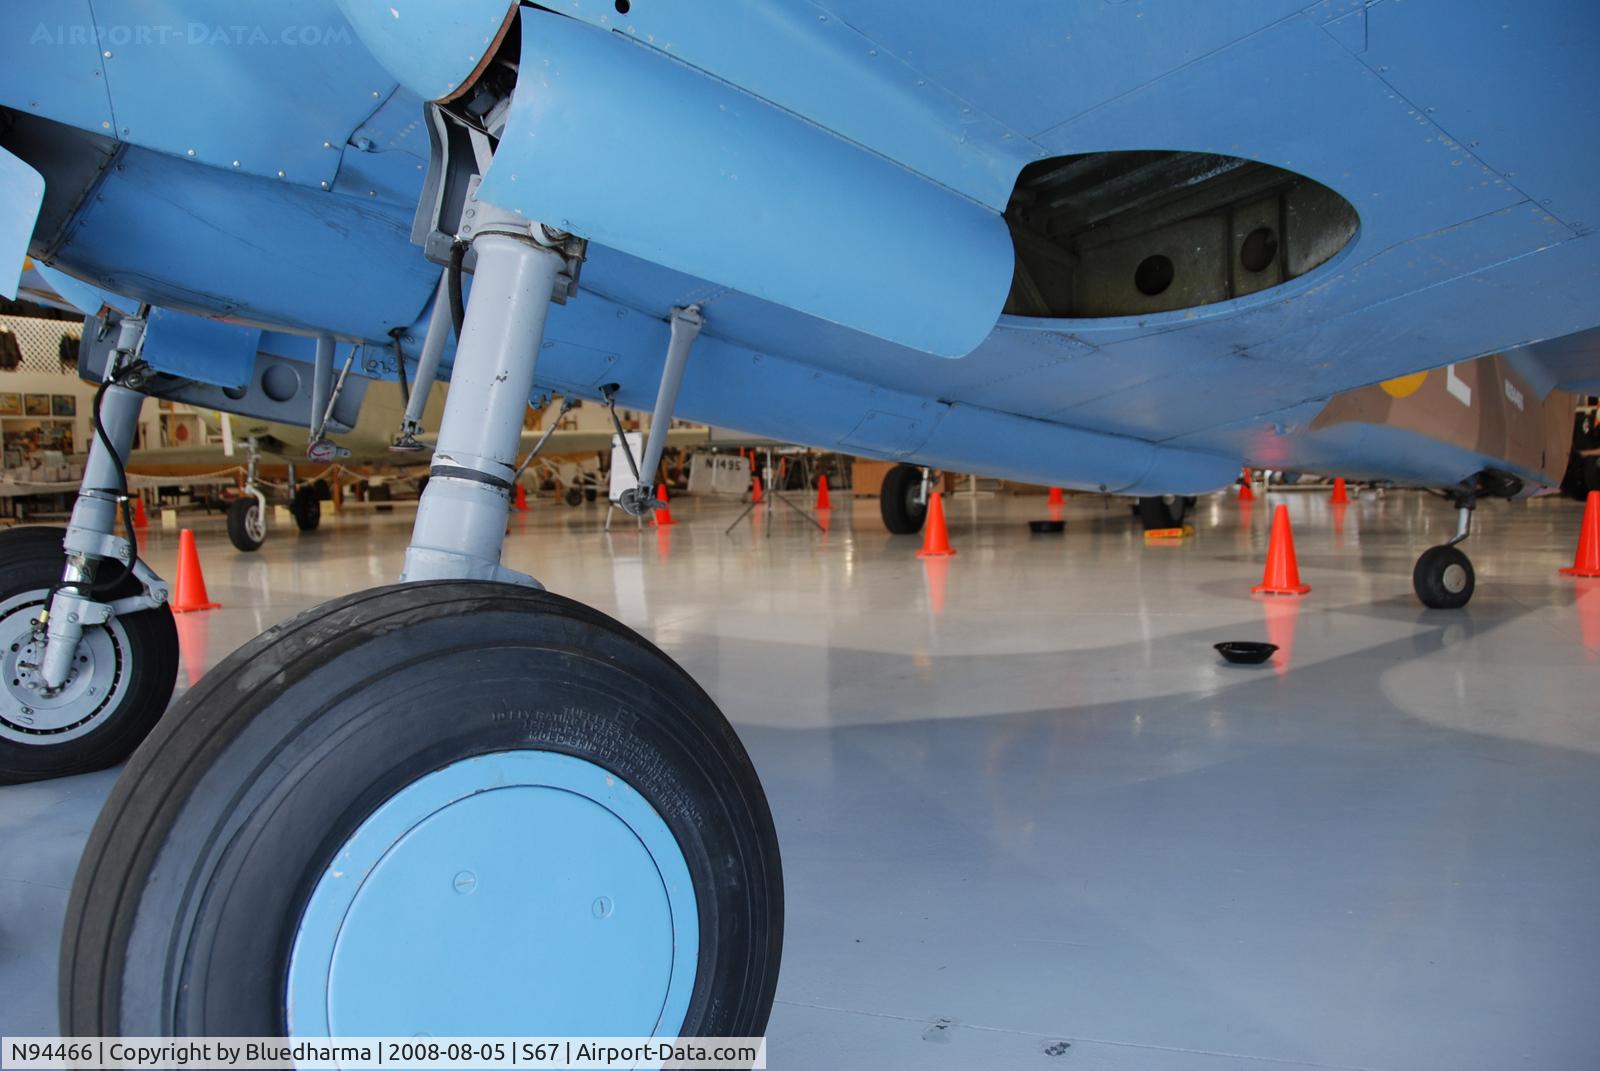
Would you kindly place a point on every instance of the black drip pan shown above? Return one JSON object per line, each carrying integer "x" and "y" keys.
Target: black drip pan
{"x": 1246, "y": 652}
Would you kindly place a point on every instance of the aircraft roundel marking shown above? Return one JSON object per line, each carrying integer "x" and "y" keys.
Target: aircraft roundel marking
{"x": 1403, "y": 386}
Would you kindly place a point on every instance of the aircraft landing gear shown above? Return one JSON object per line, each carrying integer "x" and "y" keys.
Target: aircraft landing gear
{"x": 306, "y": 506}
{"x": 478, "y": 808}
{"x": 459, "y": 806}
{"x": 88, "y": 649}
{"x": 247, "y": 523}
{"x": 1443, "y": 578}
{"x": 247, "y": 515}
{"x": 903, "y": 498}
{"x": 1164, "y": 511}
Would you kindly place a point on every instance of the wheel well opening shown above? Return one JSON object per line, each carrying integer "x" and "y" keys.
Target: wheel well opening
{"x": 1129, "y": 233}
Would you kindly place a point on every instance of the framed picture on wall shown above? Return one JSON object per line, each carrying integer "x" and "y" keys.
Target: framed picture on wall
{"x": 36, "y": 404}
{"x": 10, "y": 404}
{"x": 64, "y": 405}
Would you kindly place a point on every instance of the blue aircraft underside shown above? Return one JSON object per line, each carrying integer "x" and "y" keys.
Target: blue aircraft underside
{"x": 836, "y": 281}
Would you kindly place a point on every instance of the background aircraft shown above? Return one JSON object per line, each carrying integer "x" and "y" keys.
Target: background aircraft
{"x": 368, "y": 444}
{"x": 1117, "y": 246}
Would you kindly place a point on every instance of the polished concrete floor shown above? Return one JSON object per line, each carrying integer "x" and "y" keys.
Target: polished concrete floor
{"x": 1029, "y": 820}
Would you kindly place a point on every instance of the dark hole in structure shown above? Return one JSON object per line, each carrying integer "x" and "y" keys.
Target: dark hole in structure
{"x": 1259, "y": 250}
{"x": 1084, "y": 226}
{"x": 1153, "y": 275}
{"x": 622, "y": 6}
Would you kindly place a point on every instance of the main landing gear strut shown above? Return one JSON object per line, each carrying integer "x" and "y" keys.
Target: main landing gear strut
{"x": 460, "y": 805}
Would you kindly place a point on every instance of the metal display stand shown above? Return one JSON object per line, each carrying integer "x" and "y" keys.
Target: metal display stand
{"x": 769, "y": 492}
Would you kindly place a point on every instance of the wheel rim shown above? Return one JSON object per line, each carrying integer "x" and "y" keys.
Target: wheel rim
{"x": 522, "y": 892}
{"x": 1454, "y": 579}
{"x": 255, "y": 525}
{"x": 98, "y": 680}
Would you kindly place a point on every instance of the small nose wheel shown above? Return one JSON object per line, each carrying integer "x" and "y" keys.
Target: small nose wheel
{"x": 1443, "y": 578}
{"x": 247, "y": 526}
{"x": 1164, "y": 511}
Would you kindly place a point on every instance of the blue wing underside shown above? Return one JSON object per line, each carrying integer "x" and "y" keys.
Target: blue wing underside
{"x": 1448, "y": 127}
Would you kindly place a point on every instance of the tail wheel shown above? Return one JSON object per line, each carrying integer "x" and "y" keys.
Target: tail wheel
{"x": 307, "y": 509}
{"x": 450, "y": 808}
{"x": 247, "y": 525}
{"x": 1164, "y": 511}
{"x": 122, "y": 677}
{"x": 900, "y": 500}
{"x": 1443, "y": 578}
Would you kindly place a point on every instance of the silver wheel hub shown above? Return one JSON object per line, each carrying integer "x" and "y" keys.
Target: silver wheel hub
{"x": 255, "y": 525}
{"x": 1454, "y": 579}
{"x": 32, "y": 714}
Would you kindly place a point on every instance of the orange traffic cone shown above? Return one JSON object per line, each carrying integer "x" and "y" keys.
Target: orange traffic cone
{"x": 189, "y": 591}
{"x": 823, "y": 502}
{"x": 1245, "y": 493}
{"x": 935, "y": 538}
{"x": 1283, "y": 573}
{"x": 1586, "y": 562}
{"x": 1340, "y": 498}
{"x": 755, "y": 488}
{"x": 663, "y": 514}
{"x": 140, "y": 520}
{"x": 1056, "y": 497}
{"x": 522, "y": 499}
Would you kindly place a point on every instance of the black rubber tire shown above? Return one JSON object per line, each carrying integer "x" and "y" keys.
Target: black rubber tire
{"x": 239, "y": 511}
{"x": 573, "y": 497}
{"x": 590, "y": 494}
{"x": 31, "y": 559}
{"x": 1168, "y": 511}
{"x": 307, "y": 509}
{"x": 1437, "y": 585}
{"x": 897, "y": 500}
{"x": 194, "y": 879}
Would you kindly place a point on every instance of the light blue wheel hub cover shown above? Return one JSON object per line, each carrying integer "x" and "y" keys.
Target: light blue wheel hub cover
{"x": 517, "y": 893}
